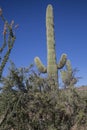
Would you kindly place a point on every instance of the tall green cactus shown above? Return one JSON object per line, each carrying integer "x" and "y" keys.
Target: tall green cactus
{"x": 52, "y": 66}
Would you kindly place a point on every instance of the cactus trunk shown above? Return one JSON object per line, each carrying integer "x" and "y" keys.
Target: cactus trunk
{"x": 51, "y": 54}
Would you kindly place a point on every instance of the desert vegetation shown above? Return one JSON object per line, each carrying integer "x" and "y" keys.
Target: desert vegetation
{"x": 30, "y": 101}
{"x": 27, "y": 102}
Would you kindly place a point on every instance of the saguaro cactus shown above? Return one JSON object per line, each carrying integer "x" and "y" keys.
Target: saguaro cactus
{"x": 52, "y": 66}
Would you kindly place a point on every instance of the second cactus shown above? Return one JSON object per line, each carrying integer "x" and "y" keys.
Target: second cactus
{"x": 68, "y": 76}
{"x": 52, "y": 66}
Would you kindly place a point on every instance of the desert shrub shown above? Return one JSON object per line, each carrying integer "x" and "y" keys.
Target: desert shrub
{"x": 28, "y": 103}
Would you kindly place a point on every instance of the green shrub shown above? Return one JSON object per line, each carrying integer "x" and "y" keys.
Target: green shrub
{"x": 28, "y": 103}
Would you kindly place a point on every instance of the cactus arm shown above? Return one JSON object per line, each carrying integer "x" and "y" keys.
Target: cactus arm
{"x": 63, "y": 75}
{"x": 62, "y": 61}
{"x": 39, "y": 65}
{"x": 67, "y": 75}
{"x": 68, "y": 66}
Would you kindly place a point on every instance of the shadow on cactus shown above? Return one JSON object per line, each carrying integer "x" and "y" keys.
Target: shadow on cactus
{"x": 52, "y": 66}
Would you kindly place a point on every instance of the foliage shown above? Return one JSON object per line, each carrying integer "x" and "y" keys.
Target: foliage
{"x": 28, "y": 103}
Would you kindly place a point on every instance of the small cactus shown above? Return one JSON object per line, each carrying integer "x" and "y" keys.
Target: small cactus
{"x": 52, "y": 66}
{"x": 67, "y": 75}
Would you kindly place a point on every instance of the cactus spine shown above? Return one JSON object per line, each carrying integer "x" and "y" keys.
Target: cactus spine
{"x": 52, "y": 66}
